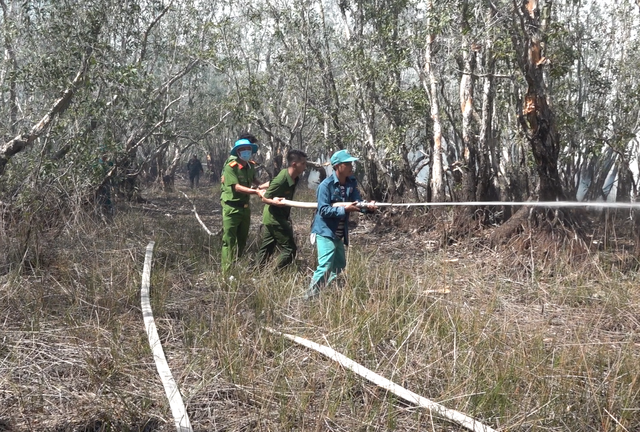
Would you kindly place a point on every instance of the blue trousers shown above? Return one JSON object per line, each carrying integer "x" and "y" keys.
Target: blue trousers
{"x": 331, "y": 261}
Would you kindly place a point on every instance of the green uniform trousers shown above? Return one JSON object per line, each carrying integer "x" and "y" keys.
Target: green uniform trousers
{"x": 235, "y": 225}
{"x": 281, "y": 236}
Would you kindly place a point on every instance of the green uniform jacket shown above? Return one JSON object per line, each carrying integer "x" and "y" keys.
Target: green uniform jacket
{"x": 236, "y": 171}
{"x": 282, "y": 186}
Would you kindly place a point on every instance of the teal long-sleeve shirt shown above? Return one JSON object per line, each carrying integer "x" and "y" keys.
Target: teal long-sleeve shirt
{"x": 327, "y": 218}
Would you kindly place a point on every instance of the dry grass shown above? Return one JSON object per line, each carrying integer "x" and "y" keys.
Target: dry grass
{"x": 522, "y": 342}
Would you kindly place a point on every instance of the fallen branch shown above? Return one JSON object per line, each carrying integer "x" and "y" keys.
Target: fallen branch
{"x": 441, "y": 411}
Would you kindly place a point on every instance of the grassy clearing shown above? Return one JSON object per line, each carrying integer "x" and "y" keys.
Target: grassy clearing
{"x": 521, "y": 343}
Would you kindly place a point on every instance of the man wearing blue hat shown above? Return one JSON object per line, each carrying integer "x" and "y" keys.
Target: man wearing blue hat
{"x": 238, "y": 183}
{"x": 331, "y": 223}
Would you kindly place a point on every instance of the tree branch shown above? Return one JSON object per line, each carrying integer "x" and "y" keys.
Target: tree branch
{"x": 134, "y": 142}
{"x": 20, "y": 142}
{"x": 143, "y": 50}
{"x": 159, "y": 91}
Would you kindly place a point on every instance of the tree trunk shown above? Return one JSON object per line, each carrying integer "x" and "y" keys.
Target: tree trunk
{"x": 539, "y": 126}
{"x": 487, "y": 155}
{"x": 373, "y": 165}
{"x": 537, "y": 119}
{"x": 11, "y": 74}
{"x": 464, "y": 220}
{"x": 407, "y": 174}
{"x": 169, "y": 174}
{"x": 596, "y": 173}
{"x": 431, "y": 86}
{"x": 625, "y": 184}
{"x": 333, "y": 134}
{"x": 467, "y": 87}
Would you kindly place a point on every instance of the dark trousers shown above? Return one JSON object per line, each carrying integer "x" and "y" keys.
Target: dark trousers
{"x": 194, "y": 181}
{"x": 281, "y": 236}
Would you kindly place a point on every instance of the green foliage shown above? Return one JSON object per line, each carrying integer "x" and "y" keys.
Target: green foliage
{"x": 305, "y": 74}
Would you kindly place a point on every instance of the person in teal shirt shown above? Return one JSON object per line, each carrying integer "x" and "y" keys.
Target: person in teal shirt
{"x": 238, "y": 183}
{"x": 331, "y": 222}
{"x": 278, "y": 231}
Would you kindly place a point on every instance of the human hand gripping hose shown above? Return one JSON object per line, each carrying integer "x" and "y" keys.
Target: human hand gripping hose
{"x": 313, "y": 205}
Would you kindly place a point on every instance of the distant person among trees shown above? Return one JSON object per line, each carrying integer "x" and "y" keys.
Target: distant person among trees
{"x": 331, "y": 224}
{"x": 278, "y": 231}
{"x": 238, "y": 183}
{"x": 194, "y": 168}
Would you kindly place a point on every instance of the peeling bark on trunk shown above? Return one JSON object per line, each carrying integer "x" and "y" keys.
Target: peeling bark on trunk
{"x": 430, "y": 83}
{"x": 486, "y": 146}
{"x": 467, "y": 88}
{"x": 538, "y": 119}
{"x": 538, "y": 123}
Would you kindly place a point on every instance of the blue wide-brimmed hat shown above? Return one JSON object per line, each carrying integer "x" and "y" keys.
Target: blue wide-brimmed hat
{"x": 243, "y": 143}
{"x": 342, "y": 156}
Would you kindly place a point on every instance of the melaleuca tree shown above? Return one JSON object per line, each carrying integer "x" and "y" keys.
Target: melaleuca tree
{"x": 272, "y": 69}
{"x": 595, "y": 79}
{"x": 136, "y": 66}
{"x": 383, "y": 94}
{"x": 101, "y": 89}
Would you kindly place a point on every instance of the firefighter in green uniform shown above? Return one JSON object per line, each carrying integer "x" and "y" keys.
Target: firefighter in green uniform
{"x": 276, "y": 216}
{"x": 238, "y": 184}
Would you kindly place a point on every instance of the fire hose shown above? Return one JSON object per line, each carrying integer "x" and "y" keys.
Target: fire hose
{"x": 548, "y": 204}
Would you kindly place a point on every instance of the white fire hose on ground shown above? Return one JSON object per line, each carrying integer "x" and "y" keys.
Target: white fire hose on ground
{"x": 409, "y": 396}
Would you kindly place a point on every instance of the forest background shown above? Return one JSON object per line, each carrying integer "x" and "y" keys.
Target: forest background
{"x": 454, "y": 100}
{"x": 460, "y": 100}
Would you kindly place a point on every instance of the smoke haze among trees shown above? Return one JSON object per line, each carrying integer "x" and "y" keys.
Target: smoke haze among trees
{"x": 492, "y": 100}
